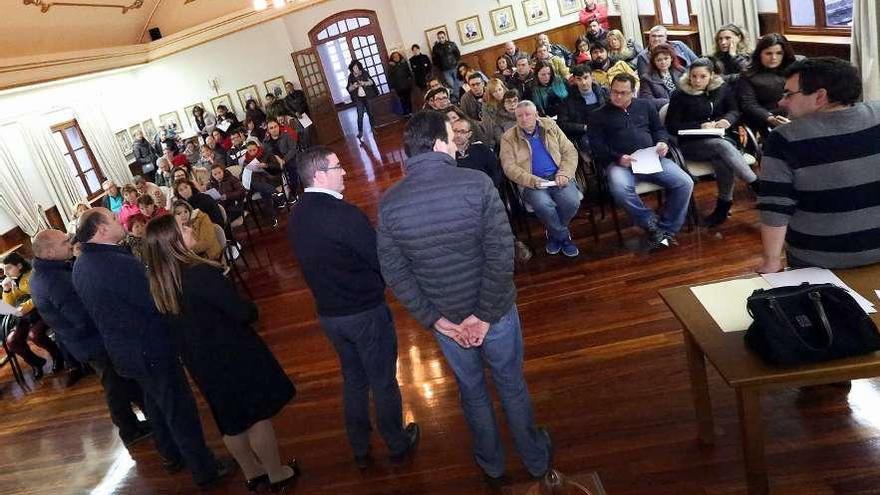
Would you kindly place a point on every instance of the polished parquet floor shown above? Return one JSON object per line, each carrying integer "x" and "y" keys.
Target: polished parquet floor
{"x": 605, "y": 365}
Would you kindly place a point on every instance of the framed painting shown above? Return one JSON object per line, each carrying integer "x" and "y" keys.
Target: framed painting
{"x": 249, "y": 93}
{"x": 275, "y": 86}
{"x": 149, "y": 129}
{"x": 470, "y": 30}
{"x": 133, "y": 130}
{"x": 502, "y": 20}
{"x": 171, "y": 120}
{"x": 535, "y": 11}
{"x": 125, "y": 141}
{"x": 431, "y": 36}
{"x": 222, "y": 100}
{"x": 570, "y": 6}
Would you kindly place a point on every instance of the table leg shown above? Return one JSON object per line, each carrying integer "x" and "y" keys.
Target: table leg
{"x": 749, "y": 402}
{"x": 700, "y": 389}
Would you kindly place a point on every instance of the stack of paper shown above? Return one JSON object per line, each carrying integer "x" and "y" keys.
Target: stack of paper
{"x": 816, "y": 276}
{"x": 712, "y": 131}
{"x": 646, "y": 161}
{"x": 726, "y": 301}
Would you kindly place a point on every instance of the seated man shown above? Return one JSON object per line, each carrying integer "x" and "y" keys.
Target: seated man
{"x": 437, "y": 99}
{"x": 512, "y": 53}
{"x": 472, "y": 153}
{"x": 143, "y": 187}
{"x": 595, "y": 32}
{"x": 656, "y": 36}
{"x": 534, "y": 152}
{"x": 604, "y": 69}
{"x": 163, "y": 172}
{"x": 543, "y": 54}
{"x": 584, "y": 97}
{"x": 472, "y": 101}
{"x": 555, "y": 49}
{"x": 148, "y": 208}
{"x": 238, "y": 149}
{"x": 619, "y": 129}
{"x": 523, "y": 78}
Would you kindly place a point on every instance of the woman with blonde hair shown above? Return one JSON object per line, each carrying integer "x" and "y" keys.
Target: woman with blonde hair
{"x": 731, "y": 51}
{"x": 207, "y": 244}
{"x": 234, "y": 369}
{"x": 621, "y": 48}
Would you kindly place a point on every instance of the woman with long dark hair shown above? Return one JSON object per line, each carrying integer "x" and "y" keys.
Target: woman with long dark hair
{"x": 548, "y": 91}
{"x": 17, "y": 293}
{"x": 361, "y": 88}
{"x": 760, "y": 86}
{"x": 234, "y": 369}
{"x": 205, "y": 121}
{"x": 254, "y": 113}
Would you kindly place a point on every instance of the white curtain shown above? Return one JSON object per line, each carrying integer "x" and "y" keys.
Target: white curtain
{"x": 64, "y": 190}
{"x": 15, "y": 196}
{"x": 866, "y": 46}
{"x": 629, "y": 17}
{"x": 715, "y": 13}
{"x": 102, "y": 142}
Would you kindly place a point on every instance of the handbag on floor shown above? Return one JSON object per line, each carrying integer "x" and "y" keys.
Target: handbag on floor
{"x": 808, "y": 323}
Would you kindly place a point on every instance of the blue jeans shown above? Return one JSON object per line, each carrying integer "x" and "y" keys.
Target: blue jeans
{"x": 554, "y": 207}
{"x": 677, "y": 184}
{"x": 363, "y": 107}
{"x": 366, "y": 343}
{"x": 452, "y": 82}
{"x": 502, "y": 350}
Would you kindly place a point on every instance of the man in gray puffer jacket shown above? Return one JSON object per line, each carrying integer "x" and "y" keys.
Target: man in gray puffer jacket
{"x": 446, "y": 250}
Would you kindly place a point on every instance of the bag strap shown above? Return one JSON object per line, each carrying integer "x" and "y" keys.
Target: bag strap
{"x": 816, "y": 297}
{"x": 780, "y": 315}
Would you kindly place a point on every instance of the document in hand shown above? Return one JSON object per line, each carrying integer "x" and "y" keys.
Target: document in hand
{"x": 253, "y": 165}
{"x": 6, "y": 309}
{"x": 646, "y": 161}
{"x": 246, "y": 176}
{"x": 213, "y": 193}
{"x": 544, "y": 184}
{"x": 790, "y": 278}
{"x": 305, "y": 121}
{"x": 224, "y": 126}
{"x": 702, "y": 132}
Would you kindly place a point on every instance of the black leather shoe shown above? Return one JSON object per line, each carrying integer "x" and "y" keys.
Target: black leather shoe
{"x": 73, "y": 377}
{"x": 225, "y": 467}
{"x": 543, "y": 432}
{"x": 495, "y": 483}
{"x": 414, "y": 433}
{"x": 281, "y": 485}
{"x": 142, "y": 434}
{"x": 363, "y": 461}
{"x": 256, "y": 483}
{"x": 173, "y": 466}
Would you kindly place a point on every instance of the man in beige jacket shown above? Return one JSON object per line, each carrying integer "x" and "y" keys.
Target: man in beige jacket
{"x": 536, "y": 155}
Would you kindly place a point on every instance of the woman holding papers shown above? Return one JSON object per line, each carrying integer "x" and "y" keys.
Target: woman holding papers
{"x": 702, "y": 112}
{"x": 227, "y": 190}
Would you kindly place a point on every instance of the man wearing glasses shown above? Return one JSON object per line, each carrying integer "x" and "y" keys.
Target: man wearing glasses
{"x": 821, "y": 172}
{"x": 438, "y": 99}
{"x": 336, "y": 249}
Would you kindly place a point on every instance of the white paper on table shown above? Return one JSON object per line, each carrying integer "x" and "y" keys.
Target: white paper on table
{"x": 305, "y": 121}
{"x": 224, "y": 126}
{"x": 246, "y": 175}
{"x": 6, "y": 309}
{"x": 714, "y": 131}
{"x": 646, "y": 161}
{"x": 253, "y": 165}
{"x": 790, "y": 278}
{"x": 726, "y": 301}
{"x": 213, "y": 193}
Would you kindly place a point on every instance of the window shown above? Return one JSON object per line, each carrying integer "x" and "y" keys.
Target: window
{"x": 829, "y": 17}
{"x": 81, "y": 163}
{"x": 674, "y": 14}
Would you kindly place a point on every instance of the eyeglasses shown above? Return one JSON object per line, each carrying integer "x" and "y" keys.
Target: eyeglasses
{"x": 788, "y": 94}
{"x": 338, "y": 167}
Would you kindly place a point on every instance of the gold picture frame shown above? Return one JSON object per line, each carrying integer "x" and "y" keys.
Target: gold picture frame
{"x": 535, "y": 11}
{"x": 169, "y": 118}
{"x": 431, "y": 36}
{"x": 149, "y": 128}
{"x": 470, "y": 30}
{"x": 502, "y": 19}
{"x": 222, "y": 100}
{"x": 567, "y": 7}
{"x": 249, "y": 93}
{"x": 133, "y": 129}
{"x": 275, "y": 86}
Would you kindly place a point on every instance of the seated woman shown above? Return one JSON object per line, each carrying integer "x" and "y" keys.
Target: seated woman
{"x": 148, "y": 207}
{"x": 232, "y": 193}
{"x": 78, "y": 210}
{"x": 187, "y": 191}
{"x": 503, "y": 70}
{"x": 461, "y": 75}
{"x": 224, "y": 114}
{"x": 207, "y": 244}
{"x": 731, "y": 52}
{"x": 662, "y": 77}
{"x": 493, "y": 103}
{"x": 130, "y": 207}
{"x": 222, "y": 139}
{"x": 201, "y": 177}
{"x": 233, "y": 368}
{"x": 705, "y": 101}
{"x": 254, "y": 131}
{"x": 205, "y": 121}
{"x": 581, "y": 53}
{"x": 134, "y": 240}
{"x": 621, "y": 49}
{"x": 760, "y": 86}
{"x": 17, "y": 292}
{"x": 254, "y": 113}
{"x": 113, "y": 200}
{"x": 548, "y": 91}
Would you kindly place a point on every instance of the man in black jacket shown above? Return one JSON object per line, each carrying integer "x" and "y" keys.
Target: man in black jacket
{"x": 298, "y": 105}
{"x": 144, "y": 154}
{"x": 61, "y": 308}
{"x": 474, "y": 154}
{"x": 114, "y": 290}
{"x": 584, "y": 97}
{"x": 451, "y": 266}
{"x": 336, "y": 249}
{"x": 421, "y": 67}
{"x": 281, "y": 149}
{"x": 445, "y": 55}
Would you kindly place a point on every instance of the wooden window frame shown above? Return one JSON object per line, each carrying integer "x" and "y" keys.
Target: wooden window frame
{"x": 674, "y": 26}
{"x": 81, "y": 175}
{"x": 820, "y": 29}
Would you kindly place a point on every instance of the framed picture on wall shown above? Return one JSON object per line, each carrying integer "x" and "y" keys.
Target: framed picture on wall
{"x": 535, "y": 11}
{"x": 275, "y": 86}
{"x": 125, "y": 142}
{"x": 133, "y": 130}
{"x": 502, "y": 20}
{"x": 222, "y": 100}
{"x": 149, "y": 129}
{"x": 249, "y": 93}
{"x": 431, "y": 36}
{"x": 569, "y": 6}
{"x": 470, "y": 30}
{"x": 188, "y": 114}
{"x": 171, "y": 121}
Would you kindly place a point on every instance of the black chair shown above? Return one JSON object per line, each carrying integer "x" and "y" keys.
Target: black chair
{"x": 6, "y": 326}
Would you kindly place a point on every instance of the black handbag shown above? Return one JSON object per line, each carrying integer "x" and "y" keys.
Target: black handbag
{"x": 808, "y": 323}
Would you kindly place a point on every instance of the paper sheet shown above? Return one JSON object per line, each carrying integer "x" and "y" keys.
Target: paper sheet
{"x": 305, "y": 121}
{"x": 246, "y": 176}
{"x": 213, "y": 193}
{"x": 702, "y": 132}
{"x": 726, "y": 301}
{"x": 254, "y": 165}
{"x": 6, "y": 309}
{"x": 544, "y": 184}
{"x": 224, "y": 126}
{"x": 646, "y": 161}
{"x": 815, "y": 276}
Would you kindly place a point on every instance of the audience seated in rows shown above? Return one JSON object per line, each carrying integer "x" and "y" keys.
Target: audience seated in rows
{"x": 761, "y": 85}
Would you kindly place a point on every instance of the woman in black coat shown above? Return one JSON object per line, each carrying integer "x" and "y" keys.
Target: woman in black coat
{"x": 401, "y": 80}
{"x": 731, "y": 52}
{"x": 361, "y": 88}
{"x": 234, "y": 369}
{"x": 187, "y": 191}
{"x": 704, "y": 101}
{"x": 760, "y": 87}
{"x": 662, "y": 76}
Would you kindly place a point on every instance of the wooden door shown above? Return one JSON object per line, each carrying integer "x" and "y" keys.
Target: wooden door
{"x": 326, "y": 127}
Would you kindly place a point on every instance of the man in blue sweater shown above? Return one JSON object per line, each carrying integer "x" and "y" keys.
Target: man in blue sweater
{"x": 115, "y": 291}
{"x": 336, "y": 249}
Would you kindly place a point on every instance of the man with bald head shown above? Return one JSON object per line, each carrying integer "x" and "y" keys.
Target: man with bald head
{"x": 113, "y": 287}
{"x": 61, "y": 308}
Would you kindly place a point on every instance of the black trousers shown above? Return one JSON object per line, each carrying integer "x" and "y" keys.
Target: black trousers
{"x": 120, "y": 393}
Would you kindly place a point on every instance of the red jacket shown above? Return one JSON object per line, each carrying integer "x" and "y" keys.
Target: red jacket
{"x": 599, "y": 12}
{"x": 292, "y": 133}
{"x": 179, "y": 160}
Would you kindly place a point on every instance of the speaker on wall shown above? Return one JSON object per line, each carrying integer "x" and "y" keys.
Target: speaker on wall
{"x": 155, "y": 34}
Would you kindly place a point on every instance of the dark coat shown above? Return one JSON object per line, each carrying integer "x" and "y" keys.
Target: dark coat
{"x": 114, "y": 290}
{"x": 421, "y": 69}
{"x": 297, "y": 101}
{"x": 60, "y": 307}
{"x": 615, "y": 132}
{"x": 759, "y": 93}
{"x": 445, "y": 56}
{"x": 370, "y": 90}
{"x": 685, "y": 57}
{"x": 144, "y": 153}
{"x": 208, "y": 205}
{"x": 399, "y": 76}
{"x": 688, "y": 108}
{"x": 651, "y": 87}
{"x": 231, "y": 187}
{"x": 574, "y": 113}
{"x": 523, "y": 86}
{"x": 480, "y": 157}
{"x": 444, "y": 242}
{"x": 232, "y": 366}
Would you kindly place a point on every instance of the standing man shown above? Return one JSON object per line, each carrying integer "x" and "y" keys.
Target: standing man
{"x": 61, "y": 308}
{"x": 820, "y": 172}
{"x": 445, "y": 55}
{"x": 451, "y": 266}
{"x": 421, "y": 67}
{"x": 114, "y": 290}
{"x": 336, "y": 249}
{"x": 144, "y": 154}
{"x": 594, "y": 10}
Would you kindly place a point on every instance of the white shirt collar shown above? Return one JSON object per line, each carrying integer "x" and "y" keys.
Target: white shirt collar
{"x": 331, "y": 192}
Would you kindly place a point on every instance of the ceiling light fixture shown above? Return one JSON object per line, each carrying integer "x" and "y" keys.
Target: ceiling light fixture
{"x": 260, "y": 4}
{"x": 279, "y": 3}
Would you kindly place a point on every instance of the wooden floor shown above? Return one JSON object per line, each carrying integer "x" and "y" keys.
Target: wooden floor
{"x": 605, "y": 366}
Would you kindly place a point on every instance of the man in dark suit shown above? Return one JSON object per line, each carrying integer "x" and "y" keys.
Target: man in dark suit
{"x": 114, "y": 290}
{"x": 336, "y": 248}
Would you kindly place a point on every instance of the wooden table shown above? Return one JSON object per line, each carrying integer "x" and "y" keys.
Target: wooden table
{"x": 749, "y": 376}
